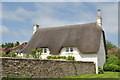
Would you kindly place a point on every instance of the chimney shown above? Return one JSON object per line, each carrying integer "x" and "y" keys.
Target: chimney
{"x": 99, "y": 19}
{"x": 35, "y": 27}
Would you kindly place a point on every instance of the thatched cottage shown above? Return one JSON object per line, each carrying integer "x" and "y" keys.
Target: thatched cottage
{"x": 86, "y": 42}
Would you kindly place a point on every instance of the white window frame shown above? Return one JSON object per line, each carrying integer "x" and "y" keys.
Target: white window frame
{"x": 69, "y": 49}
{"x": 44, "y": 50}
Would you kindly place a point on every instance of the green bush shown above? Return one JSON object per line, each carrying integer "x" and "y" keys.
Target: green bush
{"x": 112, "y": 63}
{"x": 49, "y": 57}
{"x": 100, "y": 70}
{"x": 12, "y": 54}
{"x": 2, "y": 54}
{"x": 61, "y": 57}
{"x": 27, "y": 55}
{"x": 112, "y": 67}
{"x": 56, "y": 57}
{"x": 70, "y": 58}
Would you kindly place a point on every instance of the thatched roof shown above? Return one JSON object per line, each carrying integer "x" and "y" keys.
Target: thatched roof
{"x": 86, "y": 37}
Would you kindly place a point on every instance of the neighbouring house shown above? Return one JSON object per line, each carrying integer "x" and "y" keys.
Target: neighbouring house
{"x": 18, "y": 49}
{"x": 86, "y": 42}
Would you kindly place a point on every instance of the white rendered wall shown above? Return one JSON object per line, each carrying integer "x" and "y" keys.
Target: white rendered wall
{"x": 21, "y": 55}
{"x": 101, "y": 54}
{"x": 90, "y": 57}
{"x": 44, "y": 55}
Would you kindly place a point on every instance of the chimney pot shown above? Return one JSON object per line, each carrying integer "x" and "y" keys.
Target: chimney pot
{"x": 99, "y": 19}
{"x": 35, "y": 27}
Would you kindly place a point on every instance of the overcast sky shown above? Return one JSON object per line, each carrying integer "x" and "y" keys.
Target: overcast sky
{"x": 18, "y": 18}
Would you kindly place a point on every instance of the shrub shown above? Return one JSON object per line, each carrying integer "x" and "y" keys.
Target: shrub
{"x": 27, "y": 55}
{"x": 12, "y": 54}
{"x": 70, "y": 58}
{"x": 112, "y": 63}
{"x": 112, "y": 67}
{"x": 2, "y": 53}
{"x": 100, "y": 70}
{"x": 49, "y": 57}
{"x": 61, "y": 57}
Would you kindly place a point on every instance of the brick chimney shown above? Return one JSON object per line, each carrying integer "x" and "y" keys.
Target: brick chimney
{"x": 99, "y": 19}
{"x": 35, "y": 27}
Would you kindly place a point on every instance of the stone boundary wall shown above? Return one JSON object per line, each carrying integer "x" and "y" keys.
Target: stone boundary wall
{"x": 37, "y": 68}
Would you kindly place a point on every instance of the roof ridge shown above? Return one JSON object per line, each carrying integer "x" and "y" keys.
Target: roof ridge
{"x": 68, "y": 25}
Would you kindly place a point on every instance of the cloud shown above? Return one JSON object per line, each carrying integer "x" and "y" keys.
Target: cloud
{"x": 19, "y": 14}
{"x": 57, "y": 14}
{"x": 60, "y": 0}
{"x": 50, "y": 14}
{"x": 4, "y": 29}
{"x": 109, "y": 13}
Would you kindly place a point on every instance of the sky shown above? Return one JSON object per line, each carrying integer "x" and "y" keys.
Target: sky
{"x": 18, "y": 18}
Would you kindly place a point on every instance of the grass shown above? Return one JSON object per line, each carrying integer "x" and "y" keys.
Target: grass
{"x": 105, "y": 75}
{"x": 109, "y": 75}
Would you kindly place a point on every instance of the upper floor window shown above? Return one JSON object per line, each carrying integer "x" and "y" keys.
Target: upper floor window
{"x": 69, "y": 49}
{"x": 44, "y": 50}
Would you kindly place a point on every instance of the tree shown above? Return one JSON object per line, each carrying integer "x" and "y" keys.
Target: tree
{"x": 7, "y": 45}
{"x": 109, "y": 45}
{"x": 16, "y": 44}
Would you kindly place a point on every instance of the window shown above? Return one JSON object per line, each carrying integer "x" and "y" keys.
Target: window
{"x": 69, "y": 49}
{"x": 44, "y": 50}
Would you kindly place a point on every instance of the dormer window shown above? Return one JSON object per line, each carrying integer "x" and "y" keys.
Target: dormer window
{"x": 69, "y": 49}
{"x": 44, "y": 50}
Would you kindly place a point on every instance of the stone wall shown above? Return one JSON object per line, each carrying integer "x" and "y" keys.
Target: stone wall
{"x": 37, "y": 68}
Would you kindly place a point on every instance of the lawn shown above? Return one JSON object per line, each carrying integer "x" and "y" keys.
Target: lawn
{"x": 105, "y": 75}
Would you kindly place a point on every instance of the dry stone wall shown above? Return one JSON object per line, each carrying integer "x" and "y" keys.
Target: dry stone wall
{"x": 37, "y": 68}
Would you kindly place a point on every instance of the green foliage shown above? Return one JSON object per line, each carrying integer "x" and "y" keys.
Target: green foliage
{"x": 112, "y": 67}
{"x": 7, "y": 45}
{"x": 109, "y": 45}
{"x": 61, "y": 57}
{"x": 112, "y": 63}
{"x": 100, "y": 70}
{"x": 27, "y": 55}
{"x": 2, "y": 54}
{"x": 16, "y": 44}
{"x": 12, "y": 54}
{"x": 70, "y": 58}
{"x": 56, "y": 57}
{"x": 35, "y": 53}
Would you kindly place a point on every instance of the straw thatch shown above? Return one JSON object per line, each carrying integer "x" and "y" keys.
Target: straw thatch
{"x": 86, "y": 37}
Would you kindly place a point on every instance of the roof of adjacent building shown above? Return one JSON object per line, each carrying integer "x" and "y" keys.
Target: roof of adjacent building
{"x": 86, "y": 37}
{"x": 19, "y": 47}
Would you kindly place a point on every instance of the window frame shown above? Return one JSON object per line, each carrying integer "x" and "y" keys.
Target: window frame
{"x": 69, "y": 49}
{"x": 44, "y": 50}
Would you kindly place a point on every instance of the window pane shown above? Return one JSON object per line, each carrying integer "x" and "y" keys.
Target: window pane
{"x": 71, "y": 49}
{"x": 67, "y": 49}
{"x": 45, "y": 50}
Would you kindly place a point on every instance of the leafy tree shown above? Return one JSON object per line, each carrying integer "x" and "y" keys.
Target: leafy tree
{"x": 109, "y": 45}
{"x": 16, "y": 44}
{"x": 7, "y": 45}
